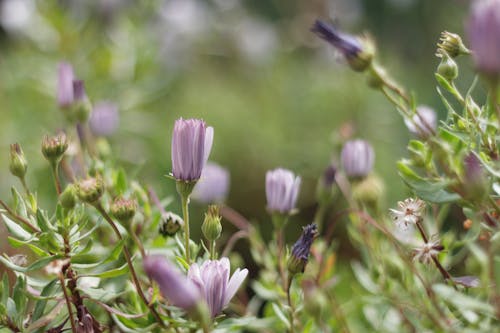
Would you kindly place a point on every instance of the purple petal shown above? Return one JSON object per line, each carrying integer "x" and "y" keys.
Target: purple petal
{"x": 65, "y": 84}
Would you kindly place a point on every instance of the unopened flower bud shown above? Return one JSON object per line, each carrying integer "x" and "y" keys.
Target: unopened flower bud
{"x": 69, "y": 197}
{"x": 18, "y": 164}
{"x": 300, "y": 251}
{"x": 282, "y": 190}
{"x": 170, "y": 223}
{"x": 447, "y": 68}
{"x": 81, "y": 105}
{"x": 90, "y": 190}
{"x": 325, "y": 183}
{"x": 452, "y": 44}
{"x": 53, "y": 148}
{"x": 357, "y": 158}
{"x": 475, "y": 182}
{"x": 370, "y": 191}
{"x": 65, "y": 79}
{"x": 357, "y": 50}
{"x": 123, "y": 209}
{"x": 211, "y": 226}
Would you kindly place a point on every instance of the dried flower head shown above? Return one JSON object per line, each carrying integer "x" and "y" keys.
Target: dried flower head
{"x": 409, "y": 212}
{"x": 170, "y": 223}
{"x": 427, "y": 251}
{"x": 282, "y": 190}
{"x": 300, "y": 250}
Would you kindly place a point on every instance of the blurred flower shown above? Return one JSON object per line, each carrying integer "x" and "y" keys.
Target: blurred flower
{"x": 357, "y": 158}
{"x": 423, "y": 123}
{"x": 65, "y": 85}
{"x": 427, "y": 251}
{"x": 300, "y": 250}
{"x": 256, "y": 40}
{"x": 123, "y": 209}
{"x": 328, "y": 178}
{"x": 212, "y": 279}
{"x": 484, "y": 35}
{"x": 213, "y": 185}
{"x": 282, "y": 189}
{"x": 104, "y": 118}
{"x": 358, "y": 51}
{"x": 173, "y": 285}
{"x": 409, "y": 213}
{"x": 191, "y": 145}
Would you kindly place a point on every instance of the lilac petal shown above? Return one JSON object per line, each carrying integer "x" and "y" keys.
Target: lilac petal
{"x": 65, "y": 84}
{"x": 209, "y": 138}
{"x": 198, "y": 149}
{"x": 234, "y": 284}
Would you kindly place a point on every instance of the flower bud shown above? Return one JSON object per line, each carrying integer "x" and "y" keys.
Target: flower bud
{"x": 53, "y": 148}
{"x": 357, "y": 158}
{"x": 475, "y": 182}
{"x": 447, "y": 68}
{"x": 369, "y": 191}
{"x": 18, "y": 164}
{"x": 452, "y": 44}
{"x": 282, "y": 190}
{"x": 325, "y": 184}
{"x": 123, "y": 209}
{"x": 65, "y": 85}
{"x": 90, "y": 190}
{"x": 300, "y": 251}
{"x": 81, "y": 105}
{"x": 69, "y": 196}
{"x": 170, "y": 223}
{"x": 211, "y": 226}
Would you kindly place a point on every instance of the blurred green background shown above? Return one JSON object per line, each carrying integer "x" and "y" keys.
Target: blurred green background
{"x": 275, "y": 93}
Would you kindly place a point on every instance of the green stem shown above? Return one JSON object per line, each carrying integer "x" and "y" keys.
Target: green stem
{"x": 25, "y": 186}
{"x": 68, "y": 304}
{"x": 55, "y": 174}
{"x": 185, "y": 214}
{"x": 213, "y": 255}
{"x": 290, "y": 304}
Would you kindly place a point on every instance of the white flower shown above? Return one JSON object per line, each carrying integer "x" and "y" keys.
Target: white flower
{"x": 427, "y": 251}
{"x": 212, "y": 279}
{"x": 409, "y": 213}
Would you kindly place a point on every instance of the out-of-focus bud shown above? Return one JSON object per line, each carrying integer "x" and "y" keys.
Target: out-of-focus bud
{"x": 300, "y": 251}
{"x": 54, "y": 147}
{"x": 170, "y": 223}
{"x": 315, "y": 301}
{"x": 65, "y": 79}
{"x": 104, "y": 118}
{"x": 211, "y": 226}
{"x": 423, "y": 124}
{"x": 447, "y": 68}
{"x": 484, "y": 34}
{"x": 370, "y": 191}
{"x": 325, "y": 183}
{"x": 357, "y": 50}
{"x": 123, "y": 209}
{"x": 90, "y": 190}
{"x": 18, "y": 164}
{"x": 213, "y": 185}
{"x": 452, "y": 44}
{"x": 69, "y": 197}
{"x": 282, "y": 190}
{"x": 81, "y": 105}
{"x": 357, "y": 158}
{"x": 475, "y": 182}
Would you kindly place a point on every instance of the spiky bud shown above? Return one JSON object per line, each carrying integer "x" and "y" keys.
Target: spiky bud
{"x": 211, "y": 226}
{"x": 90, "y": 190}
{"x": 123, "y": 209}
{"x": 18, "y": 164}
{"x": 170, "y": 223}
{"x": 452, "y": 44}
{"x": 54, "y": 147}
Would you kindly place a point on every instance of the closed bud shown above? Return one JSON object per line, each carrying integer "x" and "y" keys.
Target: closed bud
{"x": 447, "y": 68}
{"x": 90, "y": 190}
{"x": 68, "y": 197}
{"x": 18, "y": 164}
{"x": 81, "y": 107}
{"x": 357, "y": 158}
{"x": 123, "y": 209}
{"x": 53, "y": 148}
{"x": 325, "y": 184}
{"x": 170, "y": 223}
{"x": 211, "y": 226}
{"x": 452, "y": 44}
{"x": 475, "y": 182}
{"x": 300, "y": 251}
{"x": 369, "y": 191}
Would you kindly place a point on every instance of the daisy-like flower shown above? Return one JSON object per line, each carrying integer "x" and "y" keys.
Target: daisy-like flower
{"x": 409, "y": 212}
{"x": 214, "y": 284}
{"x": 428, "y": 250}
{"x": 282, "y": 190}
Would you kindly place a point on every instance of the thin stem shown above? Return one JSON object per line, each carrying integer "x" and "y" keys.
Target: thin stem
{"x": 238, "y": 220}
{"x": 280, "y": 243}
{"x": 213, "y": 254}
{"x": 185, "y": 213}
{"x": 290, "y": 304}
{"x": 232, "y": 240}
{"x": 68, "y": 303}
{"x": 394, "y": 101}
{"x": 135, "y": 279}
{"x": 19, "y": 218}
{"x": 138, "y": 242}
{"x": 422, "y": 232}
{"x": 25, "y": 186}
{"x": 55, "y": 174}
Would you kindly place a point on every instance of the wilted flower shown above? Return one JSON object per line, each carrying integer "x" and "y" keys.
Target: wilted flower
{"x": 300, "y": 250}
{"x": 212, "y": 280}
{"x": 409, "y": 213}
{"x": 427, "y": 251}
{"x": 174, "y": 286}
{"x": 104, "y": 118}
{"x": 484, "y": 35}
{"x": 357, "y": 51}
{"x": 282, "y": 189}
{"x": 423, "y": 123}
{"x": 357, "y": 158}
{"x": 65, "y": 85}
{"x": 191, "y": 145}
{"x": 213, "y": 185}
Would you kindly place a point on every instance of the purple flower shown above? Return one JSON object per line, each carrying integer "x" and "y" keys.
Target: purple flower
{"x": 191, "y": 144}
{"x": 213, "y": 184}
{"x": 282, "y": 189}
{"x": 65, "y": 79}
{"x": 357, "y": 158}
{"x": 424, "y": 123}
{"x": 300, "y": 250}
{"x": 174, "y": 286}
{"x": 104, "y": 118}
{"x": 484, "y": 34}
{"x": 212, "y": 280}
{"x": 79, "y": 91}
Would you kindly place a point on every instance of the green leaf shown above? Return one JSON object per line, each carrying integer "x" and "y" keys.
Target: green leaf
{"x": 281, "y": 316}
{"x": 121, "y": 182}
{"x": 43, "y": 222}
{"x": 81, "y": 261}
{"x": 15, "y": 229}
{"x": 18, "y": 243}
{"x": 19, "y": 204}
{"x": 47, "y": 291}
{"x": 462, "y": 301}
{"x": 34, "y": 266}
{"x": 19, "y": 294}
{"x": 111, "y": 273}
{"x": 364, "y": 278}
{"x": 5, "y": 289}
